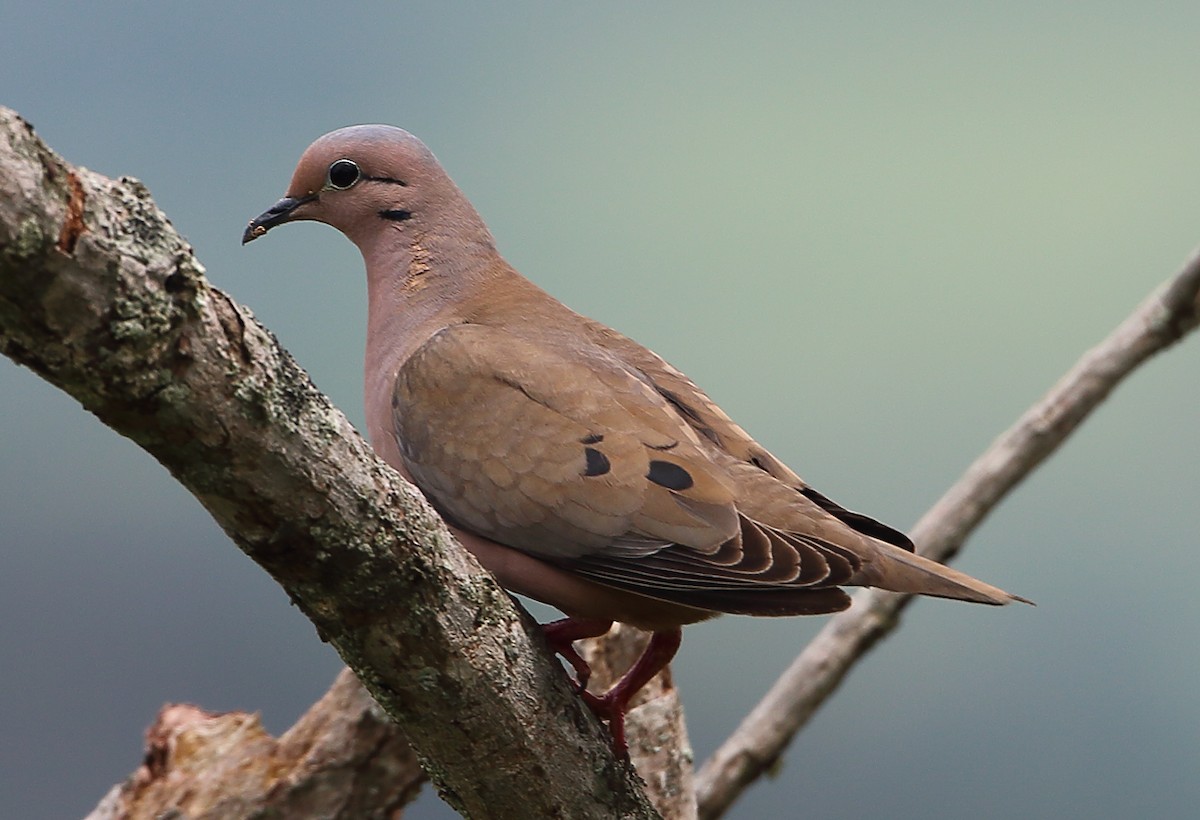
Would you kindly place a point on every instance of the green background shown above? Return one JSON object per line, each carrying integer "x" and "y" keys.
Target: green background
{"x": 875, "y": 233}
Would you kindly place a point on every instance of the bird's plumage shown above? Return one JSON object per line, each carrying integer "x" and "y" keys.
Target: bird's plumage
{"x": 577, "y": 465}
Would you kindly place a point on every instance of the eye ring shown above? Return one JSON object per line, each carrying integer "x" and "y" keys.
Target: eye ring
{"x": 343, "y": 173}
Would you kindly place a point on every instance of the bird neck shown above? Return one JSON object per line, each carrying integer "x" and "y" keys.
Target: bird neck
{"x": 417, "y": 283}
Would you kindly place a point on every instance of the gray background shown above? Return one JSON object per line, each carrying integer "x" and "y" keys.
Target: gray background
{"x": 874, "y": 232}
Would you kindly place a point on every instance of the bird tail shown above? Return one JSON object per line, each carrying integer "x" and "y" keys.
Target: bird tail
{"x": 903, "y": 571}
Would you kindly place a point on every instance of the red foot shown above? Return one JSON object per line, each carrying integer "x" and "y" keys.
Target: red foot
{"x": 613, "y": 704}
{"x": 561, "y": 634}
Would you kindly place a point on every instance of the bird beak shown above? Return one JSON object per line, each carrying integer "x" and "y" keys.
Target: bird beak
{"x": 277, "y": 214}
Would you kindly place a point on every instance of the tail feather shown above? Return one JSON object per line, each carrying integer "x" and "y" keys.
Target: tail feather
{"x": 902, "y": 571}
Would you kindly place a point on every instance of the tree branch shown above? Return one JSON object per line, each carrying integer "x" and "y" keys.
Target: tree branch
{"x": 343, "y": 758}
{"x": 100, "y": 296}
{"x": 1166, "y": 316}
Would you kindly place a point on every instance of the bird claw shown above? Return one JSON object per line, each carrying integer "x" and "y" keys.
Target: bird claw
{"x": 560, "y": 637}
{"x": 611, "y": 707}
{"x": 583, "y": 672}
{"x": 613, "y": 704}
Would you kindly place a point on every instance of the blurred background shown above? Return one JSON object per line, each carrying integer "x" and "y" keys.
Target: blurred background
{"x": 875, "y": 233}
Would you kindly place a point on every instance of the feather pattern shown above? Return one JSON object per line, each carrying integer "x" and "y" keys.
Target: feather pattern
{"x": 561, "y": 449}
{"x": 630, "y": 478}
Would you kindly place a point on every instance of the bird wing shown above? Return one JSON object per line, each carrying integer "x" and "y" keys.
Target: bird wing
{"x": 721, "y": 432}
{"x": 579, "y": 459}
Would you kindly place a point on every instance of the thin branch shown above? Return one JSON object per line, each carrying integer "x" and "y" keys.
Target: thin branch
{"x": 1166, "y": 316}
{"x": 100, "y": 296}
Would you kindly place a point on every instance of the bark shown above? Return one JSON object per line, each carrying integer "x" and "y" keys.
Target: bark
{"x": 100, "y": 296}
{"x": 343, "y": 758}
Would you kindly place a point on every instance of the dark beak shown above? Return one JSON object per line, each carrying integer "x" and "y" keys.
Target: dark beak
{"x": 277, "y": 214}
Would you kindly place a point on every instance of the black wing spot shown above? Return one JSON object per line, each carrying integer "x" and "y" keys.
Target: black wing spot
{"x": 669, "y": 475}
{"x": 592, "y": 438}
{"x": 597, "y": 462}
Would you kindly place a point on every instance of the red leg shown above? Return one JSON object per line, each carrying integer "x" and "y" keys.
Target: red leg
{"x": 612, "y": 705}
{"x": 561, "y": 634}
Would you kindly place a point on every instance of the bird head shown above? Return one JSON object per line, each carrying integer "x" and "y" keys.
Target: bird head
{"x": 361, "y": 180}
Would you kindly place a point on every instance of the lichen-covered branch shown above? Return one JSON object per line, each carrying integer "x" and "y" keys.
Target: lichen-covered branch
{"x": 1166, "y": 316}
{"x": 100, "y": 296}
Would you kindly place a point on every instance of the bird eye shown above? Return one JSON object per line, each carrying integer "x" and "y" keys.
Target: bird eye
{"x": 343, "y": 174}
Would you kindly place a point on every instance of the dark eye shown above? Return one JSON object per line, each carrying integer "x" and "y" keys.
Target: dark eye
{"x": 343, "y": 174}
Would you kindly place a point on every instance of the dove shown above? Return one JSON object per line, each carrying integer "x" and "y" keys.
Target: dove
{"x": 580, "y": 468}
